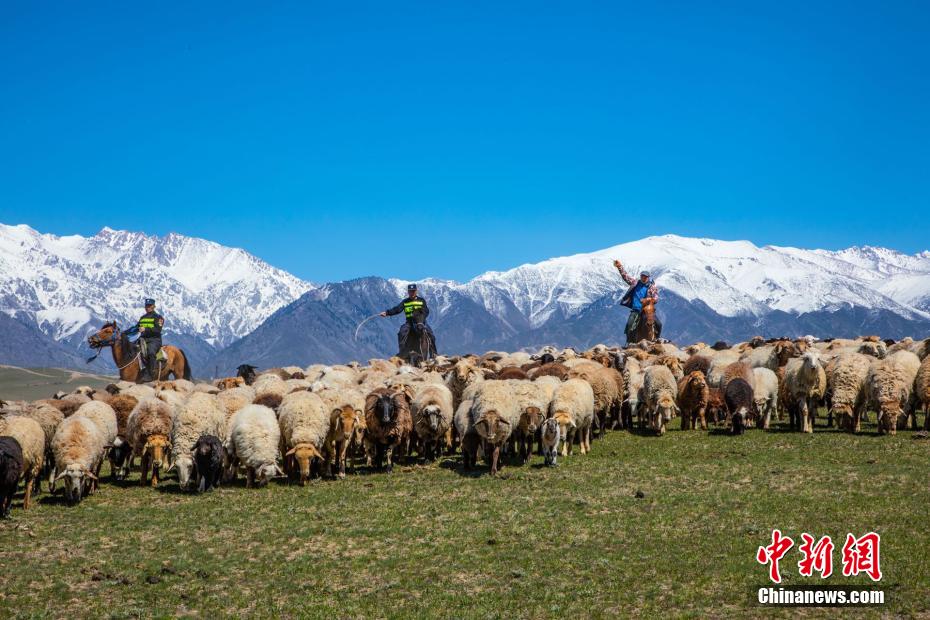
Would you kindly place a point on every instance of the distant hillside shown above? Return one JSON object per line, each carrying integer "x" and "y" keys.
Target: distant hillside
{"x": 35, "y": 383}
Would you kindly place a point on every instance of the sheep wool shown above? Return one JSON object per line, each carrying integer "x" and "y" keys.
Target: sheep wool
{"x": 572, "y": 406}
{"x": 254, "y": 440}
{"x": 103, "y": 416}
{"x": 201, "y": 414}
{"x": 31, "y": 440}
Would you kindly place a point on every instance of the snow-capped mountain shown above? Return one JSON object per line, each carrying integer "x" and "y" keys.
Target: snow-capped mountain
{"x": 229, "y": 307}
{"x": 67, "y": 285}
{"x": 709, "y": 290}
{"x": 735, "y": 278}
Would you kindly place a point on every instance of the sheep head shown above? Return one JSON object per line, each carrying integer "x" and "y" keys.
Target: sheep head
{"x": 696, "y": 381}
{"x": 666, "y": 408}
{"x": 492, "y": 427}
{"x": 77, "y": 479}
{"x": 433, "y": 416}
{"x": 550, "y": 432}
{"x": 345, "y": 419}
{"x": 264, "y": 473}
{"x": 530, "y": 420}
{"x": 157, "y": 446}
{"x": 566, "y": 422}
{"x": 303, "y": 454}
{"x": 184, "y": 465}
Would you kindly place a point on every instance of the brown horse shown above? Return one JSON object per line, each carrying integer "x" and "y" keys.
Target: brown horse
{"x": 127, "y": 357}
{"x": 646, "y": 329}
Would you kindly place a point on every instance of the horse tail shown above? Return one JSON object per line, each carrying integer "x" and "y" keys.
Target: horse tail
{"x": 187, "y": 365}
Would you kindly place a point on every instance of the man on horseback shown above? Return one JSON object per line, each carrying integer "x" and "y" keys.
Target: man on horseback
{"x": 640, "y": 290}
{"x": 149, "y": 327}
{"x": 415, "y": 311}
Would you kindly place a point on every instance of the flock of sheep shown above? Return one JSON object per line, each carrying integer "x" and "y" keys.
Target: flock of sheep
{"x": 302, "y": 423}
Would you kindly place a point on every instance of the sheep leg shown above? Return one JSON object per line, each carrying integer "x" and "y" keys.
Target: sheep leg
{"x": 685, "y": 421}
{"x": 249, "y": 477}
{"x": 389, "y": 453}
{"x": 927, "y": 417}
{"x": 341, "y": 447}
{"x": 154, "y": 476}
{"x": 28, "y": 498}
{"x": 495, "y": 455}
{"x": 145, "y": 469}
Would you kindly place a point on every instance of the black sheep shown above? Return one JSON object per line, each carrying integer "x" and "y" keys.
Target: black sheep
{"x": 11, "y": 470}
{"x": 740, "y": 404}
{"x": 720, "y": 345}
{"x": 208, "y": 462}
{"x": 247, "y": 372}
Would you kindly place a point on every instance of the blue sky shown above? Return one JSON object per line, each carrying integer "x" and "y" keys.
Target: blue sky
{"x": 338, "y": 140}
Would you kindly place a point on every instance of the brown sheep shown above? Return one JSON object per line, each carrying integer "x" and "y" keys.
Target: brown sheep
{"x": 388, "y": 423}
{"x": 716, "y": 409}
{"x": 692, "y": 399}
{"x": 697, "y": 363}
{"x": 553, "y": 369}
{"x": 511, "y": 372}
{"x": 229, "y": 382}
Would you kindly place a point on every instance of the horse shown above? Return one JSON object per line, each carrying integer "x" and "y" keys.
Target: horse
{"x": 127, "y": 357}
{"x": 646, "y": 328}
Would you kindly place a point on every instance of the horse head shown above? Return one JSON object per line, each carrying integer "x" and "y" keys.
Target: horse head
{"x": 105, "y": 336}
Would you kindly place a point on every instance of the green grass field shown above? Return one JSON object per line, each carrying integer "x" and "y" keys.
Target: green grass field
{"x": 643, "y": 526}
{"x": 34, "y": 383}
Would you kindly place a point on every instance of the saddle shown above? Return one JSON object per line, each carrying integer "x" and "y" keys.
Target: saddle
{"x": 139, "y": 348}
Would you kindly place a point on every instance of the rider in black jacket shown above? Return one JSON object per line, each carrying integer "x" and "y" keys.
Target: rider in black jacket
{"x": 415, "y": 311}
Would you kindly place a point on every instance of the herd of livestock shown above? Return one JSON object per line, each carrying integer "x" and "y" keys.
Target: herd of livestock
{"x": 305, "y": 422}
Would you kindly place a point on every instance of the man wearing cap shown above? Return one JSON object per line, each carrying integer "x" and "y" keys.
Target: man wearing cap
{"x": 644, "y": 288}
{"x": 149, "y": 327}
{"x": 415, "y": 311}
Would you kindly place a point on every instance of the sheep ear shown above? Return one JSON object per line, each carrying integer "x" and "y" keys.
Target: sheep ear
{"x": 290, "y": 452}
{"x": 90, "y": 474}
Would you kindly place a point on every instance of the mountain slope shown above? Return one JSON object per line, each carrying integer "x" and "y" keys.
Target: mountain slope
{"x": 211, "y": 295}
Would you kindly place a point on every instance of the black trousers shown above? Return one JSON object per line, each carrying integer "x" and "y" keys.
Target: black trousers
{"x": 407, "y": 340}
{"x": 152, "y": 347}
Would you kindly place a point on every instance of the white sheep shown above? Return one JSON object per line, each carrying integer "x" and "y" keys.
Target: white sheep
{"x": 572, "y": 406}
{"x": 201, "y": 414}
{"x": 31, "y": 440}
{"x": 660, "y": 394}
{"x": 550, "y": 433}
{"x": 304, "y": 421}
{"x": 78, "y": 447}
{"x": 765, "y": 393}
{"x": 846, "y": 384}
{"x": 254, "y": 441}
{"x": 103, "y": 415}
{"x": 148, "y": 430}
{"x": 494, "y": 416}
{"x": 432, "y": 413}
{"x": 891, "y": 387}
{"x": 805, "y": 386}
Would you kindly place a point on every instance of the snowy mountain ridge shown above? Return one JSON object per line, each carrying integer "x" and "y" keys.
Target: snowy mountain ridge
{"x": 67, "y": 285}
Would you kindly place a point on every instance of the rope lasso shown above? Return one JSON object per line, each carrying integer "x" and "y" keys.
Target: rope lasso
{"x": 373, "y": 316}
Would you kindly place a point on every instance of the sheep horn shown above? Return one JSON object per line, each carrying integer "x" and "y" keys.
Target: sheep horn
{"x": 60, "y": 476}
{"x": 89, "y": 474}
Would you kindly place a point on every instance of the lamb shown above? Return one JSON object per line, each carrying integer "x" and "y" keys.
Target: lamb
{"x": 607, "y": 384}
{"x": 432, "y": 418}
{"x": 716, "y": 406}
{"x": 202, "y": 414}
{"x": 572, "y": 407}
{"x": 388, "y": 424}
{"x": 804, "y": 386}
{"x": 740, "y": 402}
{"x": 550, "y": 433}
{"x": 208, "y": 456}
{"x": 847, "y": 386}
{"x": 149, "y": 429}
{"x": 494, "y": 416}
{"x": 31, "y": 439}
{"x": 468, "y": 438}
{"x": 532, "y": 402}
{"x": 660, "y": 392}
{"x": 78, "y": 448}
{"x": 891, "y": 384}
{"x": 304, "y": 422}
{"x": 692, "y": 400}
{"x": 254, "y": 439}
{"x": 922, "y": 390}
{"x": 119, "y": 454}
{"x": 346, "y": 407}
{"x": 11, "y": 470}
{"x": 765, "y": 394}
